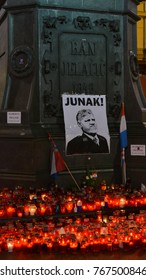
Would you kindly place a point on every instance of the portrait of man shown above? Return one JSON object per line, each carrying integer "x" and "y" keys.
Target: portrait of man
{"x": 90, "y": 141}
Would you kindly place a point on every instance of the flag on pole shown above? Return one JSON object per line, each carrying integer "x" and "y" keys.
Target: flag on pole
{"x": 123, "y": 129}
{"x": 58, "y": 163}
{"x": 123, "y": 143}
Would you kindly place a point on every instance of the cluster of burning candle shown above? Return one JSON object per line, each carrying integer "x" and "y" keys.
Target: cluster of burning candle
{"x": 45, "y": 219}
{"x": 20, "y": 202}
{"x": 64, "y": 234}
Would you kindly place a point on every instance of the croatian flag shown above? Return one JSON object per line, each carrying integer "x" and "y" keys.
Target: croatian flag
{"x": 123, "y": 143}
{"x": 58, "y": 163}
{"x": 123, "y": 129}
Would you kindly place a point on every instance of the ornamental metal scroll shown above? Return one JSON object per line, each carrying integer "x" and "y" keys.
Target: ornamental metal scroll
{"x": 21, "y": 61}
{"x": 82, "y": 23}
{"x": 134, "y": 65}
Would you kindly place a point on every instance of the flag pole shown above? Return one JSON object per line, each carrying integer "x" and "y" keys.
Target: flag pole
{"x": 51, "y": 139}
{"x": 72, "y": 175}
{"x": 123, "y": 166}
{"x": 123, "y": 143}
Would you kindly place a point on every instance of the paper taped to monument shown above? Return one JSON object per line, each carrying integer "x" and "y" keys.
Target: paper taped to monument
{"x": 86, "y": 126}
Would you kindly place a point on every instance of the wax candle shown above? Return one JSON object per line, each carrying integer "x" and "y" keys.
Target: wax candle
{"x": 79, "y": 206}
{"x": 10, "y": 245}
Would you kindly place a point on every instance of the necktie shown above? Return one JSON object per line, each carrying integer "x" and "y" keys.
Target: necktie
{"x": 96, "y": 139}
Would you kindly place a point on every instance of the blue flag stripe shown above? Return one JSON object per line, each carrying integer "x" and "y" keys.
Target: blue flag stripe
{"x": 123, "y": 139}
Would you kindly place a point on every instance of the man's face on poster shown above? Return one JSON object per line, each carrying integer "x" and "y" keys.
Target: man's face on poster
{"x": 88, "y": 124}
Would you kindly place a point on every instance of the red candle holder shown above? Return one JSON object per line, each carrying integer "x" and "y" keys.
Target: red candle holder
{"x": 41, "y": 210}
{"x": 19, "y": 211}
{"x": 7, "y": 193}
{"x": 97, "y": 203}
{"x": 63, "y": 242}
{"x": 2, "y": 211}
{"x": 69, "y": 206}
{"x": 49, "y": 244}
{"x": 73, "y": 244}
{"x": 49, "y": 210}
{"x": 115, "y": 244}
{"x": 91, "y": 205}
{"x": 10, "y": 210}
{"x": 26, "y": 210}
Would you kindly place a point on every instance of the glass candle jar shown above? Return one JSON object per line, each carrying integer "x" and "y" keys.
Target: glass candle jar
{"x": 32, "y": 209}
{"x": 10, "y": 245}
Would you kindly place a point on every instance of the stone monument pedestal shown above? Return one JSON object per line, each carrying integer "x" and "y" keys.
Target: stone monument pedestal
{"x": 50, "y": 49}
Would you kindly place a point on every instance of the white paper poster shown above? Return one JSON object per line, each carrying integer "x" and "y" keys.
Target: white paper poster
{"x": 137, "y": 150}
{"x": 14, "y": 117}
{"x": 86, "y": 127}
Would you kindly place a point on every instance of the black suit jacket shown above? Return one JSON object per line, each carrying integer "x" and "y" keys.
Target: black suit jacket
{"x": 85, "y": 145}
